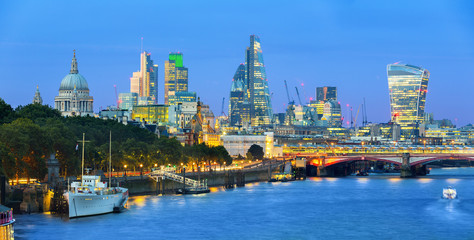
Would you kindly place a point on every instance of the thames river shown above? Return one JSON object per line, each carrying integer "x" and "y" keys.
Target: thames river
{"x": 374, "y": 207}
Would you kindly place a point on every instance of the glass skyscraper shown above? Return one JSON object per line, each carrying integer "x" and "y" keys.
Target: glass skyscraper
{"x": 145, "y": 82}
{"x": 176, "y": 76}
{"x": 250, "y": 98}
{"x": 408, "y": 86}
{"x": 260, "y": 103}
{"x": 238, "y": 104}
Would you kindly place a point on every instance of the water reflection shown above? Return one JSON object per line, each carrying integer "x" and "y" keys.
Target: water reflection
{"x": 424, "y": 180}
{"x": 452, "y": 180}
{"x": 394, "y": 180}
{"x": 137, "y": 201}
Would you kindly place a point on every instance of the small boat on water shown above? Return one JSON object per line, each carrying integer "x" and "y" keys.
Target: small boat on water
{"x": 196, "y": 190}
{"x": 449, "y": 193}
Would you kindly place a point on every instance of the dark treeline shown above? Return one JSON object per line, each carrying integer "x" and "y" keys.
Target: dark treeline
{"x": 30, "y": 134}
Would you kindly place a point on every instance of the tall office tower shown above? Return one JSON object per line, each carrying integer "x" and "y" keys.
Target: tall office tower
{"x": 326, "y": 93}
{"x": 145, "y": 81}
{"x": 332, "y": 113}
{"x": 408, "y": 86}
{"x": 259, "y": 96}
{"x": 239, "y": 109}
{"x": 176, "y": 76}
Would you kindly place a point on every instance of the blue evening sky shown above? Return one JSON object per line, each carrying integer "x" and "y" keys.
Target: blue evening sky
{"x": 345, "y": 43}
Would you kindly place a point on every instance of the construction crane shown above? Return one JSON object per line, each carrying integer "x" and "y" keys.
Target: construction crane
{"x": 290, "y": 102}
{"x": 364, "y": 114}
{"x": 222, "y": 109}
{"x": 116, "y": 97}
{"x": 290, "y": 111}
{"x": 357, "y": 114}
{"x": 298, "y": 94}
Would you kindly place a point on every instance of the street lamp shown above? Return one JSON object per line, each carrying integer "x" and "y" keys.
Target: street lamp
{"x": 141, "y": 170}
{"x": 125, "y": 167}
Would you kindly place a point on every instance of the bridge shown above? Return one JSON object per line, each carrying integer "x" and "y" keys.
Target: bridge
{"x": 412, "y": 160}
{"x": 162, "y": 174}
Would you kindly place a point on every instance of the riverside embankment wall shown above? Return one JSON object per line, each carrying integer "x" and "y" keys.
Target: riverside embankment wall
{"x": 144, "y": 185}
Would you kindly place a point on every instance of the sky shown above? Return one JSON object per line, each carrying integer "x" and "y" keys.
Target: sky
{"x": 342, "y": 43}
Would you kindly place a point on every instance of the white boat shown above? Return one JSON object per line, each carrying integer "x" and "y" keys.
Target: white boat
{"x": 91, "y": 196}
{"x": 449, "y": 193}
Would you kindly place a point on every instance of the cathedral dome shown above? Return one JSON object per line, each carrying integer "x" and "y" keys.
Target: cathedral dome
{"x": 74, "y": 79}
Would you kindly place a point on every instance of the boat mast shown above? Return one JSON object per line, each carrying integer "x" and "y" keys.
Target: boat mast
{"x": 110, "y": 159}
{"x": 83, "y": 142}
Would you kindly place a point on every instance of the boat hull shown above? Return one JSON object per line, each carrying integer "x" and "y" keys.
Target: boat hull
{"x": 81, "y": 205}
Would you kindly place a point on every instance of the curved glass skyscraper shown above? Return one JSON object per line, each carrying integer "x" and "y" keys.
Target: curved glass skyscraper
{"x": 250, "y": 101}
{"x": 260, "y": 103}
{"x": 408, "y": 86}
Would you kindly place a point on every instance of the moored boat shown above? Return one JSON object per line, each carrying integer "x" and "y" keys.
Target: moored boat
{"x": 449, "y": 193}
{"x": 91, "y": 196}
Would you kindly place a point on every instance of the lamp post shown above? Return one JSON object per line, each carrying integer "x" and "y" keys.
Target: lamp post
{"x": 125, "y": 168}
{"x": 141, "y": 170}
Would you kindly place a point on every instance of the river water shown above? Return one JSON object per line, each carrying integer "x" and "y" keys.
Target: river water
{"x": 374, "y": 207}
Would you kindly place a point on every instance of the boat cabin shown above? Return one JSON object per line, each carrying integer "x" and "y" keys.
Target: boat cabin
{"x": 89, "y": 184}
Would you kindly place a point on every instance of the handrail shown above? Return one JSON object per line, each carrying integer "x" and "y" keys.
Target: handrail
{"x": 177, "y": 178}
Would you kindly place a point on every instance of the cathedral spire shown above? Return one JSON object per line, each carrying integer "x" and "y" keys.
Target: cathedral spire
{"x": 37, "y": 99}
{"x": 74, "y": 64}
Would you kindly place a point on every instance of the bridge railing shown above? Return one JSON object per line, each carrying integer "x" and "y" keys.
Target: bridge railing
{"x": 347, "y": 150}
{"x": 177, "y": 178}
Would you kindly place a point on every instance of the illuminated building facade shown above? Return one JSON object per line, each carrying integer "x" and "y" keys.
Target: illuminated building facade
{"x": 181, "y": 97}
{"x": 408, "y": 86}
{"x": 240, "y": 144}
{"x": 259, "y": 95}
{"x": 151, "y": 113}
{"x": 128, "y": 100}
{"x": 326, "y": 93}
{"x": 145, "y": 81}
{"x": 332, "y": 113}
{"x": 176, "y": 76}
{"x": 250, "y": 97}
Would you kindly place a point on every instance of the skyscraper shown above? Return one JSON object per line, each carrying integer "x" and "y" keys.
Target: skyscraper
{"x": 326, "y": 93}
{"x": 259, "y": 96}
{"x": 408, "y": 86}
{"x": 239, "y": 110}
{"x": 250, "y": 101}
{"x": 145, "y": 81}
{"x": 176, "y": 76}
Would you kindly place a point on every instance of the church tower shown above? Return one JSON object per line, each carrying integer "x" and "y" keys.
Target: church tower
{"x": 37, "y": 99}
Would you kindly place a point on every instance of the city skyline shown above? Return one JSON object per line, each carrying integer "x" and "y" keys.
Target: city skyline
{"x": 108, "y": 58}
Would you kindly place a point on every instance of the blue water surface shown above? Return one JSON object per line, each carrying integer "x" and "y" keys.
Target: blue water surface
{"x": 374, "y": 207}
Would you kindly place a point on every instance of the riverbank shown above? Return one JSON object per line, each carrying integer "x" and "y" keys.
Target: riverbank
{"x": 143, "y": 185}
{"x": 37, "y": 198}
